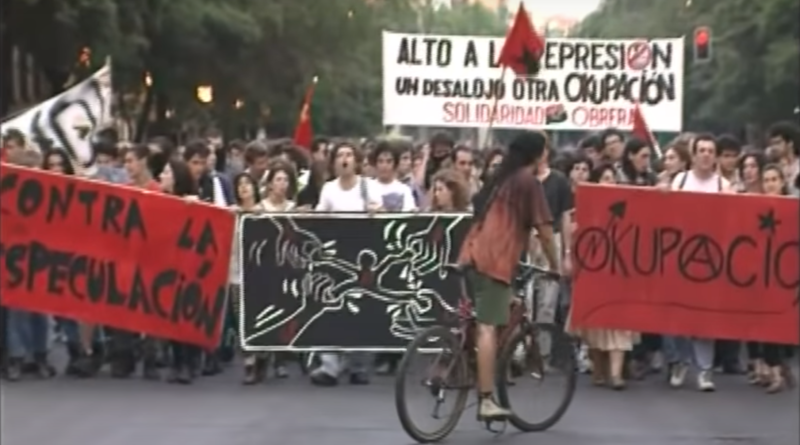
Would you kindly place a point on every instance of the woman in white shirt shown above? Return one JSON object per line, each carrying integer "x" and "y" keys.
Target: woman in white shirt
{"x": 248, "y": 200}
{"x": 280, "y": 185}
{"x": 281, "y": 188}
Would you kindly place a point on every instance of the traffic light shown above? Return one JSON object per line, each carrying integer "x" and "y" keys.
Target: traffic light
{"x": 702, "y": 44}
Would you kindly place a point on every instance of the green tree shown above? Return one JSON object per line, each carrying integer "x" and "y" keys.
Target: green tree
{"x": 754, "y": 75}
{"x": 55, "y": 31}
{"x": 258, "y": 55}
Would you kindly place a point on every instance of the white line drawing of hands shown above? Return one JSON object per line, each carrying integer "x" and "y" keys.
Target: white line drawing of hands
{"x": 407, "y": 319}
{"x": 426, "y": 257}
{"x": 311, "y": 296}
{"x": 295, "y": 246}
{"x": 392, "y": 269}
{"x": 377, "y": 279}
{"x": 414, "y": 245}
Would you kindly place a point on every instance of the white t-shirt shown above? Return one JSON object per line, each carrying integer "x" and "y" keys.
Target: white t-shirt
{"x": 333, "y": 198}
{"x": 396, "y": 196}
{"x": 270, "y": 207}
{"x": 689, "y": 182}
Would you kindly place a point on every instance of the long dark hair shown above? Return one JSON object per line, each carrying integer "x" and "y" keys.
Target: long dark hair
{"x": 630, "y": 175}
{"x": 759, "y": 158}
{"x": 523, "y": 151}
{"x": 249, "y": 178}
{"x": 69, "y": 169}
{"x": 287, "y": 168}
{"x": 495, "y": 152}
{"x": 597, "y": 172}
{"x": 185, "y": 185}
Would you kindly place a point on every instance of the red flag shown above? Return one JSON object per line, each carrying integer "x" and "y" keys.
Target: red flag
{"x": 523, "y": 47}
{"x": 304, "y": 132}
{"x": 642, "y": 131}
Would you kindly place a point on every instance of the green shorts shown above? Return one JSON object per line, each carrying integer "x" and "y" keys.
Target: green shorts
{"x": 492, "y": 298}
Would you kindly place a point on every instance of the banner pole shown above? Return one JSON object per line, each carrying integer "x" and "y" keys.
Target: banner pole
{"x": 494, "y": 113}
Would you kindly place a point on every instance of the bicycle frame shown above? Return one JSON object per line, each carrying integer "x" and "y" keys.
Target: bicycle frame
{"x": 467, "y": 325}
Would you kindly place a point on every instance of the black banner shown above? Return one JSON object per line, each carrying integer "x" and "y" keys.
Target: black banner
{"x": 348, "y": 282}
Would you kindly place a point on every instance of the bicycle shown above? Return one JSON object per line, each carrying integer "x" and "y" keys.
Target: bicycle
{"x": 518, "y": 352}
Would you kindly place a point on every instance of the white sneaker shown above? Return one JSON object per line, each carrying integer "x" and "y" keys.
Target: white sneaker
{"x": 677, "y": 375}
{"x": 584, "y": 364}
{"x": 704, "y": 382}
{"x": 489, "y": 410}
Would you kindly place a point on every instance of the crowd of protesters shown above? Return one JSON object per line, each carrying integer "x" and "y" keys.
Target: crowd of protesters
{"x": 396, "y": 175}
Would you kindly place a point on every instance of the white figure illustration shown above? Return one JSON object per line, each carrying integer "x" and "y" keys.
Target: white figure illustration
{"x": 427, "y": 257}
{"x": 330, "y": 283}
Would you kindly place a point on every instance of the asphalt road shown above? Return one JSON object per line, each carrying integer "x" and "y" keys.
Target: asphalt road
{"x": 218, "y": 410}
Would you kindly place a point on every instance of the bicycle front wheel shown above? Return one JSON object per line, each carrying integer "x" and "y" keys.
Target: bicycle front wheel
{"x": 539, "y": 363}
{"x": 441, "y": 377}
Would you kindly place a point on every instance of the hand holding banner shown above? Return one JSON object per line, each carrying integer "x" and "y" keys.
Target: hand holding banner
{"x": 113, "y": 255}
{"x": 715, "y": 266}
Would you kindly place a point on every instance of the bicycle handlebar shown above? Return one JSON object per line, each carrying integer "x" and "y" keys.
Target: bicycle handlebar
{"x": 527, "y": 271}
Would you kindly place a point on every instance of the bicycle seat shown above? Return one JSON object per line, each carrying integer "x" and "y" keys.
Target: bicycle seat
{"x": 455, "y": 268}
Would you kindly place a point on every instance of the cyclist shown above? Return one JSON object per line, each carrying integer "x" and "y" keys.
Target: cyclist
{"x": 507, "y": 208}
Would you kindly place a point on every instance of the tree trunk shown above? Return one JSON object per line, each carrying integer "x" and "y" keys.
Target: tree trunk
{"x": 144, "y": 116}
{"x": 6, "y": 80}
{"x": 56, "y": 78}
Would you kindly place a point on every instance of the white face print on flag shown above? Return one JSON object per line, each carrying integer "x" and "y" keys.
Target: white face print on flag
{"x": 70, "y": 120}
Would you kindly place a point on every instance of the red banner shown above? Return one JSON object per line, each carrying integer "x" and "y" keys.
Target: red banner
{"x": 717, "y": 266}
{"x": 112, "y": 255}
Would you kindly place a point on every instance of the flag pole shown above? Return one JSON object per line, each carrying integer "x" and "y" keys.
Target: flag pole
{"x": 656, "y": 147}
{"x": 494, "y": 113}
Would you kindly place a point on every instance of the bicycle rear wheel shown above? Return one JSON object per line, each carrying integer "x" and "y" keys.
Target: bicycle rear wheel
{"x": 527, "y": 361}
{"x": 448, "y": 372}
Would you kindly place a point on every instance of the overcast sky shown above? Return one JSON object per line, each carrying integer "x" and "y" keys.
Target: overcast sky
{"x": 577, "y": 9}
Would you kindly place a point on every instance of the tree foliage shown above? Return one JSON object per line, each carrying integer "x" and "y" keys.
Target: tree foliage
{"x": 754, "y": 75}
{"x": 258, "y": 55}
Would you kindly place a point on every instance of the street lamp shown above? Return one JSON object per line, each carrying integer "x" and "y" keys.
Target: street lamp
{"x": 148, "y": 79}
{"x": 205, "y": 94}
{"x": 238, "y": 104}
{"x": 85, "y": 56}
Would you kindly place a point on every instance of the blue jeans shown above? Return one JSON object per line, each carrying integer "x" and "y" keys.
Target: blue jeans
{"x": 685, "y": 350}
{"x": 26, "y": 333}
{"x": 72, "y": 332}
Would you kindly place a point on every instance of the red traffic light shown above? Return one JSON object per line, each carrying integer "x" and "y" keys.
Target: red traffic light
{"x": 702, "y": 36}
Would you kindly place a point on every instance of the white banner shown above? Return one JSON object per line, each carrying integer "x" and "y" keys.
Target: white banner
{"x": 585, "y": 84}
{"x": 71, "y": 119}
